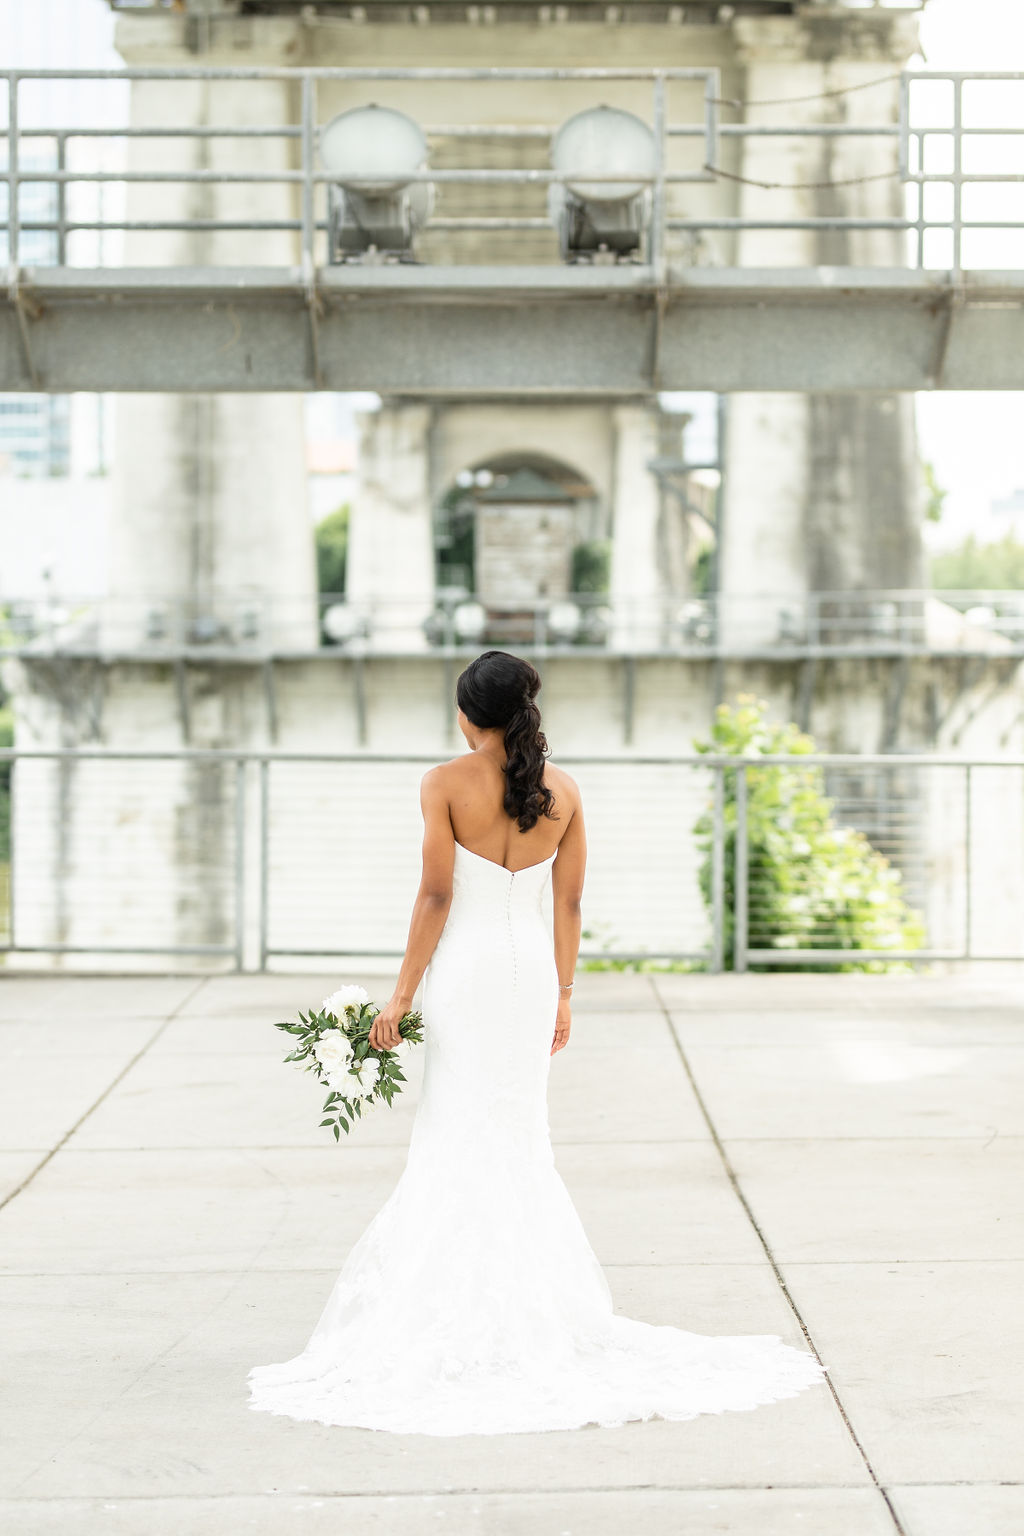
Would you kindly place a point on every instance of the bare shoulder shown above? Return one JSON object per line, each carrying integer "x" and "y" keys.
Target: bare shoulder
{"x": 447, "y": 778}
{"x": 437, "y": 780}
{"x": 562, "y": 785}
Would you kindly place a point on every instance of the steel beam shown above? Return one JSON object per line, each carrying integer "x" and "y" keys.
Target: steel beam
{"x": 515, "y": 330}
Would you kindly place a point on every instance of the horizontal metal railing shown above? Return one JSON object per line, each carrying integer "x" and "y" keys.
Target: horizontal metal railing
{"x": 940, "y": 147}
{"x": 257, "y": 625}
{"x": 712, "y": 861}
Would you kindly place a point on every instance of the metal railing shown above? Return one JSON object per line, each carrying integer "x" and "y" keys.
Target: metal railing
{"x": 950, "y": 153}
{"x": 254, "y": 858}
{"x": 259, "y": 625}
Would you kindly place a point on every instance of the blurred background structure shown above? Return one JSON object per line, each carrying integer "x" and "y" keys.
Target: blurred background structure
{"x": 576, "y": 259}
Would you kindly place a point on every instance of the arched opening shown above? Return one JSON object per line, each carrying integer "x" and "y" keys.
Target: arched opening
{"x": 523, "y": 551}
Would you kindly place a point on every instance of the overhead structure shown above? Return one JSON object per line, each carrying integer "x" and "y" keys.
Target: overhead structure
{"x": 669, "y": 279}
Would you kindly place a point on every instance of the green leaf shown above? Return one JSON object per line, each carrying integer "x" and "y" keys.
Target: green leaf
{"x": 337, "y": 1133}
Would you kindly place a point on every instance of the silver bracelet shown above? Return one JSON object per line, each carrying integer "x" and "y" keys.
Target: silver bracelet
{"x": 567, "y": 987}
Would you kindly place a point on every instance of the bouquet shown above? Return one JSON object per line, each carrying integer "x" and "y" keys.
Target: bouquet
{"x": 334, "y": 1042}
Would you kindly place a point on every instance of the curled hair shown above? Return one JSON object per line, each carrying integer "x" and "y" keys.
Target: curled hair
{"x": 498, "y": 691}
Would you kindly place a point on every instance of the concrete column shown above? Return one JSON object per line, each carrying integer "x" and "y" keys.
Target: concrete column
{"x": 211, "y": 536}
{"x": 390, "y": 567}
{"x": 636, "y": 578}
{"x": 821, "y": 490}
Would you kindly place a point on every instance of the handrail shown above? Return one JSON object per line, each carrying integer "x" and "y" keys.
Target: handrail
{"x": 913, "y": 136}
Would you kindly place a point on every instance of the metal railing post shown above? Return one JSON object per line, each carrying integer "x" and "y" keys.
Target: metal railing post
{"x": 958, "y": 143}
{"x": 240, "y": 772}
{"x": 11, "y": 840}
{"x": 968, "y": 836}
{"x": 657, "y": 253}
{"x": 712, "y": 91}
{"x": 718, "y": 871}
{"x": 62, "y": 202}
{"x": 308, "y": 143}
{"x": 13, "y": 211}
{"x": 264, "y": 859}
{"x": 740, "y": 933}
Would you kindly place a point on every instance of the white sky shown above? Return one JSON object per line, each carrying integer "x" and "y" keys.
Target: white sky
{"x": 975, "y": 440}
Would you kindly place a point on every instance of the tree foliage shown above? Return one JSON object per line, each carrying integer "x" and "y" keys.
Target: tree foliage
{"x": 811, "y": 884}
{"x": 995, "y": 567}
{"x": 332, "y": 550}
{"x": 934, "y": 494}
{"x": 591, "y": 565}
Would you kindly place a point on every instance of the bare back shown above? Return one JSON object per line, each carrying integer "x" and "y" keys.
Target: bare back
{"x": 475, "y": 787}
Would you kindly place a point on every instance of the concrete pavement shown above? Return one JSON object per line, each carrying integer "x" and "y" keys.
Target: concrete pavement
{"x": 842, "y": 1155}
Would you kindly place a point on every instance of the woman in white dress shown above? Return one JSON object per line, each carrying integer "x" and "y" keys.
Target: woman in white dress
{"x": 473, "y": 1302}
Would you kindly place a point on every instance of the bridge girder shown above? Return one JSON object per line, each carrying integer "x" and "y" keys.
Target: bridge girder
{"x": 597, "y": 331}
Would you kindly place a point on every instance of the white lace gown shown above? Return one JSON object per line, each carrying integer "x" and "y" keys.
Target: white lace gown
{"x": 473, "y": 1302}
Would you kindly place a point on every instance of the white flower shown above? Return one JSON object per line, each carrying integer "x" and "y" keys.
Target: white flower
{"x": 369, "y": 1074}
{"x": 332, "y": 1051}
{"x": 345, "y": 997}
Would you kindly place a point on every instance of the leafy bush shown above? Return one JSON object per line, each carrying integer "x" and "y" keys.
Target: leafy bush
{"x": 811, "y": 884}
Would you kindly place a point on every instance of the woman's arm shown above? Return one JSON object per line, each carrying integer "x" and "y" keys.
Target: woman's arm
{"x": 567, "y": 892}
{"x": 430, "y": 910}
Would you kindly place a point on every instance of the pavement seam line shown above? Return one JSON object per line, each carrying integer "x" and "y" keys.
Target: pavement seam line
{"x": 119, "y": 1078}
{"x": 780, "y": 1280}
{"x": 470, "y": 1491}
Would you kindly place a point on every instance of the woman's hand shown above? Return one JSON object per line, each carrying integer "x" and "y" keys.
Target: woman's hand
{"x": 563, "y": 1023}
{"x": 384, "y": 1031}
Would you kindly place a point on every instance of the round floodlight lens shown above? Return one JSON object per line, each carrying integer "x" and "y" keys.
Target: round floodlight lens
{"x": 604, "y": 140}
{"x": 340, "y": 622}
{"x": 470, "y": 620}
{"x": 375, "y": 142}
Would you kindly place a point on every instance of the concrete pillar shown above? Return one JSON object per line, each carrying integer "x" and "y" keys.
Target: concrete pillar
{"x": 821, "y": 490}
{"x": 211, "y": 538}
{"x": 390, "y": 566}
{"x": 636, "y": 578}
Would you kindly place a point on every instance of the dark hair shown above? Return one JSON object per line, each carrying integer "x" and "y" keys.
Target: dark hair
{"x": 497, "y": 691}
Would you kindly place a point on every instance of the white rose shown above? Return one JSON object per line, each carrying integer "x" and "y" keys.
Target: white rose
{"x": 369, "y": 1074}
{"x": 332, "y": 1051}
{"x": 345, "y": 997}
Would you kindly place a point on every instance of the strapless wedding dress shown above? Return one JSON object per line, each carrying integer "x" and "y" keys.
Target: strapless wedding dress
{"x": 473, "y": 1302}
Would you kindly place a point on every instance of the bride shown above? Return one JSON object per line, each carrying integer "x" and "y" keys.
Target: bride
{"x": 473, "y": 1302}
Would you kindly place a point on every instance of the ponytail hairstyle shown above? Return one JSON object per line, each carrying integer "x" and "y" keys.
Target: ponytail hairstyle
{"x": 497, "y": 691}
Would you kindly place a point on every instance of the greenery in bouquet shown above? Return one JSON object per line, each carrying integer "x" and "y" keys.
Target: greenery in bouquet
{"x": 333, "y": 1042}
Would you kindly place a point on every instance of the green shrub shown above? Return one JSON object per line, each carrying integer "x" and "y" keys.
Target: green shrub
{"x": 811, "y": 884}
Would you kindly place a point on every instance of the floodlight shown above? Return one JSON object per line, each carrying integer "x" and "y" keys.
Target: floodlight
{"x": 564, "y": 620}
{"x": 380, "y": 212}
{"x": 470, "y": 620}
{"x": 341, "y": 623}
{"x": 601, "y": 218}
